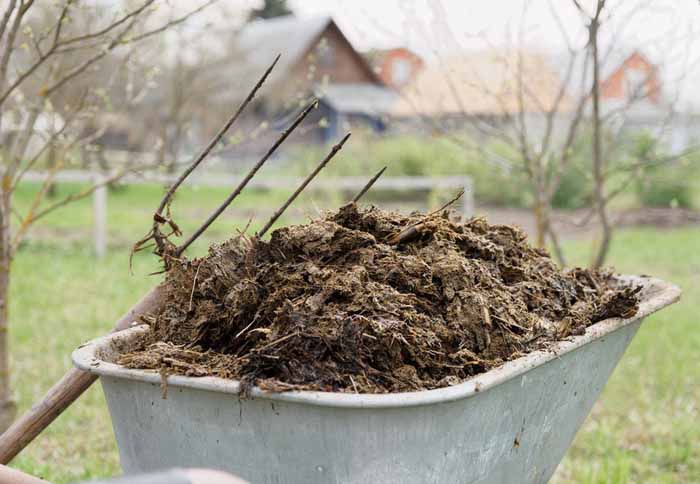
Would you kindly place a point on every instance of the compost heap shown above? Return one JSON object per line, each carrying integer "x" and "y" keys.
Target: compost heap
{"x": 364, "y": 300}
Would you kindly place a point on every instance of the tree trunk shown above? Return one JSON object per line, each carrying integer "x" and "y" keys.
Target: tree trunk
{"x": 541, "y": 212}
{"x": 539, "y": 226}
{"x": 543, "y": 226}
{"x": 598, "y": 169}
{"x": 8, "y": 408}
{"x": 52, "y": 158}
{"x": 556, "y": 245}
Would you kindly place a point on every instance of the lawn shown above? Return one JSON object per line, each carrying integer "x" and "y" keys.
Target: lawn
{"x": 129, "y": 209}
{"x": 645, "y": 428}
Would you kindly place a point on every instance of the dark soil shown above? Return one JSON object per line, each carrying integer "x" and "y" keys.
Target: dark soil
{"x": 365, "y": 300}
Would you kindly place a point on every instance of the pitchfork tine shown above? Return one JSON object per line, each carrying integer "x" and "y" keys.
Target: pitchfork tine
{"x": 369, "y": 184}
{"x": 171, "y": 191}
{"x": 303, "y": 185}
{"x": 247, "y": 178}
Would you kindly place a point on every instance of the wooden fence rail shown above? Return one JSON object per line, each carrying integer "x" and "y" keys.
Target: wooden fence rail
{"x": 400, "y": 183}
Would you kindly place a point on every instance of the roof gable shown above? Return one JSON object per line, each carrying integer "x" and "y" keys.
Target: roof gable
{"x": 361, "y": 60}
{"x": 635, "y": 73}
{"x": 635, "y": 60}
{"x": 260, "y": 41}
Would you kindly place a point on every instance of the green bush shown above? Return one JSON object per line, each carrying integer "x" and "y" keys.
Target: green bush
{"x": 498, "y": 182}
{"x": 573, "y": 191}
{"x": 661, "y": 183}
{"x": 665, "y": 186}
{"x": 405, "y": 155}
{"x": 499, "y": 185}
{"x": 575, "y": 187}
{"x": 415, "y": 155}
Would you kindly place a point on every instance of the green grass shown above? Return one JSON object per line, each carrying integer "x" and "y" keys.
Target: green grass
{"x": 130, "y": 210}
{"x": 60, "y": 298}
{"x": 646, "y": 428}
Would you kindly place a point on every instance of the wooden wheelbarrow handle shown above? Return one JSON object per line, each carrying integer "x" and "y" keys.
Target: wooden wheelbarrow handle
{"x": 65, "y": 391}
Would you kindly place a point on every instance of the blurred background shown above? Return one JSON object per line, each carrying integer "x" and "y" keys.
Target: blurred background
{"x": 579, "y": 121}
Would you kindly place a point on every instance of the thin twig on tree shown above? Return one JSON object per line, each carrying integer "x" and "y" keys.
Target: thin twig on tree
{"x": 58, "y": 44}
{"x": 107, "y": 29}
{"x": 86, "y": 192}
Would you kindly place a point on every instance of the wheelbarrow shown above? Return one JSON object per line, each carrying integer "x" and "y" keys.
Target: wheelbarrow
{"x": 511, "y": 424}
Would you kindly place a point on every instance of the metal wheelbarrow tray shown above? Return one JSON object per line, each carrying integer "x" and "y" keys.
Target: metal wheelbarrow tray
{"x": 512, "y": 424}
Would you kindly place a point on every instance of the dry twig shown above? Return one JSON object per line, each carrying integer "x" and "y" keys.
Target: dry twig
{"x": 414, "y": 229}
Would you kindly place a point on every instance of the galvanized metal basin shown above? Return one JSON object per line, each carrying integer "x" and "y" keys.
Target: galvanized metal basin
{"x": 510, "y": 425}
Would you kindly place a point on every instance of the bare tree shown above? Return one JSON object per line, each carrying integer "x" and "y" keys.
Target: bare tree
{"x": 614, "y": 121}
{"x": 598, "y": 177}
{"x": 522, "y": 104}
{"x": 542, "y": 115}
{"x": 40, "y": 67}
{"x": 190, "y": 86}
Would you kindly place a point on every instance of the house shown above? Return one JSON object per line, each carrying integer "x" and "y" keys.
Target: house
{"x": 482, "y": 83}
{"x": 632, "y": 88}
{"x": 396, "y": 67}
{"x": 317, "y": 59}
{"x": 482, "y": 89}
{"x": 632, "y": 95}
{"x": 636, "y": 77}
{"x": 488, "y": 92}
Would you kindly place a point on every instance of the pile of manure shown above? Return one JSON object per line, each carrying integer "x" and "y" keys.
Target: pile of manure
{"x": 370, "y": 301}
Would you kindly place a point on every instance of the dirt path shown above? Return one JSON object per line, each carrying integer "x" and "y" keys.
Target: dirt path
{"x": 568, "y": 223}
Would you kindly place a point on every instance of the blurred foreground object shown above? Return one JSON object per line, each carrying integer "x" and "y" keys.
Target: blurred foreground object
{"x": 12, "y": 476}
{"x": 175, "y": 476}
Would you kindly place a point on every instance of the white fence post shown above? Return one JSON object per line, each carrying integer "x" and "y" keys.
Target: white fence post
{"x": 99, "y": 215}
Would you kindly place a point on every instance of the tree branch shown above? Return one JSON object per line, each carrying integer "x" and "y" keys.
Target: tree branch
{"x": 6, "y": 17}
{"x": 109, "y": 45}
{"x": 106, "y": 30}
{"x": 9, "y": 43}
